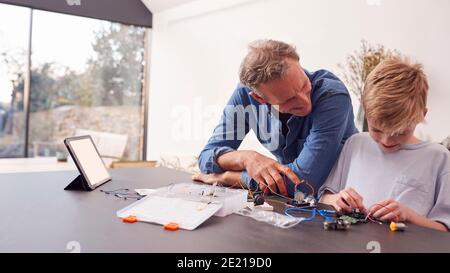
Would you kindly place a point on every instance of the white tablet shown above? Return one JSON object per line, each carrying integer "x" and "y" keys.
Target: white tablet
{"x": 88, "y": 161}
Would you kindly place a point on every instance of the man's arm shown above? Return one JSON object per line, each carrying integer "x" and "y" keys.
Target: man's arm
{"x": 322, "y": 146}
{"x": 320, "y": 152}
{"x": 220, "y": 154}
{"x": 321, "y": 149}
{"x": 227, "y": 135}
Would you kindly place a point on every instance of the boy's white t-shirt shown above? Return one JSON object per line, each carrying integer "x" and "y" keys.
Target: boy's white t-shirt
{"x": 417, "y": 176}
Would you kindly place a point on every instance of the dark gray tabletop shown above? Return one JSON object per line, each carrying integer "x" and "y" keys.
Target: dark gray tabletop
{"x": 37, "y": 215}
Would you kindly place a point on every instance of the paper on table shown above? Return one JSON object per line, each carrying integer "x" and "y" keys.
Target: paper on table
{"x": 163, "y": 210}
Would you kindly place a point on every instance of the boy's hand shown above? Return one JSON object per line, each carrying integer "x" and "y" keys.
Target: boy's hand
{"x": 390, "y": 210}
{"x": 345, "y": 200}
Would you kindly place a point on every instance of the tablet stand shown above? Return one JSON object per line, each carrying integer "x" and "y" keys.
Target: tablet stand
{"x": 78, "y": 184}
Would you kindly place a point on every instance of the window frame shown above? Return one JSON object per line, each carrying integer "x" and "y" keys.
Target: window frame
{"x": 27, "y": 92}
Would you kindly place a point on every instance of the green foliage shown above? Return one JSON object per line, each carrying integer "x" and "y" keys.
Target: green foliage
{"x": 118, "y": 65}
{"x": 113, "y": 76}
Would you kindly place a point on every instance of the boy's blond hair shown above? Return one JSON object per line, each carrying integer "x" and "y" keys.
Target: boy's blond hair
{"x": 395, "y": 95}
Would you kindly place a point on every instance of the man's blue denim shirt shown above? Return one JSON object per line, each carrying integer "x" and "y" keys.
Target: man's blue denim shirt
{"x": 313, "y": 143}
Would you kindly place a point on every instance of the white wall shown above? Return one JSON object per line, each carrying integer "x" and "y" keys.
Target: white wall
{"x": 197, "y": 49}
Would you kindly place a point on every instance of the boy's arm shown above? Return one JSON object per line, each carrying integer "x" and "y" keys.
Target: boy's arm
{"x": 391, "y": 210}
{"x": 440, "y": 213}
{"x": 327, "y": 197}
{"x": 423, "y": 221}
{"x": 345, "y": 200}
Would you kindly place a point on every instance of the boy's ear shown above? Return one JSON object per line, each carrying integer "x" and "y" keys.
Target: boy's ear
{"x": 258, "y": 98}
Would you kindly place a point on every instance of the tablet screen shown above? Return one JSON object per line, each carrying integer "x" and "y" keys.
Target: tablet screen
{"x": 89, "y": 160}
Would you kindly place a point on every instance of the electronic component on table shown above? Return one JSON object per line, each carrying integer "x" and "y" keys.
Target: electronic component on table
{"x": 351, "y": 220}
{"x": 171, "y": 226}
{"x": 357, "y": 214}
{"x": 354, "y": 217}
{"x": 258, "y": 198}
{"x": 397, "y": 226}
{"x": 301, "y": 201}
{"x": 299, "y": 196}
{"x": 266, "y": 206}
{"x": 336, "y": 224}
{"x": 257, "y": 194}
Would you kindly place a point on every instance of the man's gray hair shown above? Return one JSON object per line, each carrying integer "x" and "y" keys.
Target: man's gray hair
{"x": 266, "y": 60}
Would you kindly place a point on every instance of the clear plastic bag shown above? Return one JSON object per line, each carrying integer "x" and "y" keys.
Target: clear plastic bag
{"x": 273, "y": 218}
{"x": 196, "y": 192}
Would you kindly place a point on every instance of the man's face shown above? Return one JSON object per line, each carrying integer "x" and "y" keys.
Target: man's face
{"x": 290, "y": 94}
{"x": 388, "y": 142}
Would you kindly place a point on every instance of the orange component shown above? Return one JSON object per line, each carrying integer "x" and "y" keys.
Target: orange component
{"x": 172, "y": 226}
{"x": 130, "y": 219}
{"x": 393, "y": 226}
{"x": 397, "y": 226}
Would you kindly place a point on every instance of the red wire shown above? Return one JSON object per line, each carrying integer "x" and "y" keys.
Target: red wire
{"x": 295, "y": 188}
{"x": 285, "y": 184}
{"x": 301, "y": 182}
{"x": 370, "y": 218}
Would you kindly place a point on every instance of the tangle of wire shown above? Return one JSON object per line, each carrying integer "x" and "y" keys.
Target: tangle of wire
{"x": 306, "y": 183}
{"x": 274, "y": 192}
{"x": 368, "y": 217}
{"x": 285, "y": 184}
{"x": 322, "y": 212}
{"x": 123, "y": 193}
{"x": 326, "y": 213}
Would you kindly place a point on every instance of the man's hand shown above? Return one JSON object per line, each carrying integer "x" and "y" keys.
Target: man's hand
{"x": 264, "y": 170}
{"x": 229, "y": 178}
{"x": 268, "y": 172}
{"x": 391, "y": 210}
{"x": 345, "y": 200}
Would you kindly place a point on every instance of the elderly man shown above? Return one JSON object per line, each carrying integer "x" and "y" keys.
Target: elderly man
{"x": 303, "y": 118}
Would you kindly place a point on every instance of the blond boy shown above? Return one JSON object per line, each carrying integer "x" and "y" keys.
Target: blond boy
{"x": 388, "y": 172}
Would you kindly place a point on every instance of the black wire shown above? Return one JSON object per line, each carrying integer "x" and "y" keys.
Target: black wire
{"x": 114, "y": 191}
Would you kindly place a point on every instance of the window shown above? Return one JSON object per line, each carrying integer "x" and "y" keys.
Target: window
{"x": 13, "y": 68}
{"x": 86, "y": 74}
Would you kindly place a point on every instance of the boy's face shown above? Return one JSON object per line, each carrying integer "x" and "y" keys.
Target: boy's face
{"x": 389, "y": 142}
